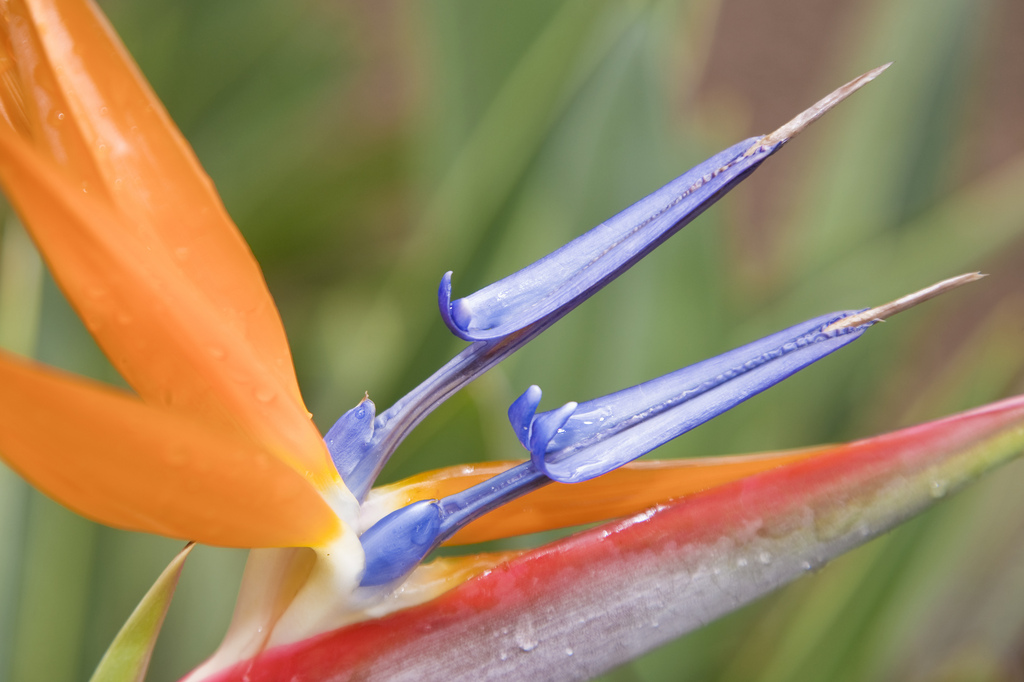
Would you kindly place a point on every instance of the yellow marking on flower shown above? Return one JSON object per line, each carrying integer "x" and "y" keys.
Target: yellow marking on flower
{"x": 628, "y": 490}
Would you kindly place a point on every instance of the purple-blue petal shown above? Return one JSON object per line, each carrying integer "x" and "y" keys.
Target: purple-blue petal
{"x": 578, "y": 442}
{"x": 560, "y": 281}
{"x": 603, "y": 434}
{"x": 350, "y": 442}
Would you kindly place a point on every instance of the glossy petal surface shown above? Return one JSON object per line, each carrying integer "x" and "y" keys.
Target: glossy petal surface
{"x": 121, "y": 462}
{"x": 587, "y": 603}
{"x": 559, "y": 282}
{"x": 628, "y": 490}
{"x": 156, "y": 325}
{"x": 157, "y": 269}
{"x": 94, "y": 114}
{"x": 578, "y": 442}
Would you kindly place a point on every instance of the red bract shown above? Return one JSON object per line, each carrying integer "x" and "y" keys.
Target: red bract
{"x": 584, "y": 604}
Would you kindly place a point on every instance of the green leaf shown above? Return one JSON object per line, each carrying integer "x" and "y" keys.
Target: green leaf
{"x": 128, "y": 656}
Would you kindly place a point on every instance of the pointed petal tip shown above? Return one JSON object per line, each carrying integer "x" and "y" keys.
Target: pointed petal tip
{"x": 907, "y": 302}
{"x": 818, "y": 109}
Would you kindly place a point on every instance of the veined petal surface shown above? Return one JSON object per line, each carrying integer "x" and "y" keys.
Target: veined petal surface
{"x": 116, "y": 460}
{"x": 560, "y": 281}
{"x": 580, "y": 606}
{"x": 624, "y": 491}
{"x": 72, "y": 89}
{"x": 153, "y": 322}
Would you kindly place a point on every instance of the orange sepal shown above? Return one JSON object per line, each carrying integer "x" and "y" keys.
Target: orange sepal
{"x": 116, "y": 460}
{"x": 628, "y": 490}
{"x": 156, "y": 326}
{"x": 92, "y": 113}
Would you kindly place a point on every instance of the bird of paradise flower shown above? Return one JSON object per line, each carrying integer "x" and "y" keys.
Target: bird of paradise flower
{"x": 218, "y": 446}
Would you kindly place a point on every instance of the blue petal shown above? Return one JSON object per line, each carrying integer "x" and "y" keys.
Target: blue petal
{"x": 350, "y": 442}
{"x": 603, "y": 434}
{"x": 577, "y": 442}
{"x": 506, "y": 315}
{"x": 559, "y": 282}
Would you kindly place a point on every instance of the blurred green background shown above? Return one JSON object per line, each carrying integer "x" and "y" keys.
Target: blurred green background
{"x": 366, "y": 147}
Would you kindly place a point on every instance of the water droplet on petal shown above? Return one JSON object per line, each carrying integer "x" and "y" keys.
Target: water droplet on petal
{"x": 939, "y": 488}
{"x": 741, "y": 562}
{"x": 60, "y": 116}
{"x": 568, "y": 651}
{"x": 765, "y": 558}
{"x": 525, "y": 636}
{"x": 265, "y": 394}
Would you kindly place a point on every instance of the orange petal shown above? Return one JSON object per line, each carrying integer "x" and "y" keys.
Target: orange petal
{"x": 116, "y": 460}
{"x": 628, "y": 490}
{"x": 95, "y": 115}
{"x": 154, "y": 323}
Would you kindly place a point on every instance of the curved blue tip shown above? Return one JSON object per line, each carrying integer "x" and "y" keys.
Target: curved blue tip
{"x": 456, "y": 314}
{"x": 520, "y": 414}
{"x": 552, "y": 286}
{"x": 578, "y": 442}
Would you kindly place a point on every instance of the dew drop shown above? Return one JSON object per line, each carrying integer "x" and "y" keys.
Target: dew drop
{"x": 503, "y": 656}
{"x": 568, "y": 651}
{"x": 265, "y": 394}
{"x": 525, "y": 636}
{"x": 181, "y": 253}
{"x": 939, "y": 488}
{"x": 103, "y": 111}
{"x": 765, "y": 558}
{"x": 60, "y": 116}
{"x": 806, "y": 566}
{"x": 117, "y": 183}
{"x": 741, "y": 562}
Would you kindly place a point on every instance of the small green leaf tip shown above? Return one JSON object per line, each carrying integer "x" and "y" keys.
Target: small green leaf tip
{"x": 128, "y": 656}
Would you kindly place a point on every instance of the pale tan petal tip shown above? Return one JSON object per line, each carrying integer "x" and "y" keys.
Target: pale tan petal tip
{"x": 818, "y": 109}
{"x": 900, "y": 304}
